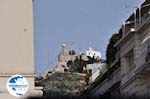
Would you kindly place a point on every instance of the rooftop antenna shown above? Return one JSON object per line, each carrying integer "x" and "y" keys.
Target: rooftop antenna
{"x": 80, "y": 51}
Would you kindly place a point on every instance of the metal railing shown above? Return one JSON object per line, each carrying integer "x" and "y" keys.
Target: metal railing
{"x": 134, "y": 25}
{"x": 144, "y": 19}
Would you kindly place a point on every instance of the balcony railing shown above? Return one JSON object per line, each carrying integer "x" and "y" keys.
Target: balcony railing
{"x": 144, "y": 19}
{"x": 131, "y": 26}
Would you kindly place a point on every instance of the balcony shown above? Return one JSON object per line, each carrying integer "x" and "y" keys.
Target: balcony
{"x": 132, "y": 25}
{"x": 144, "y": 19}
{"x": 129, "y": 27}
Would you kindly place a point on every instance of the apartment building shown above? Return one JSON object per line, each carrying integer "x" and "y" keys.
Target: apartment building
{"x": 132, "y": 75}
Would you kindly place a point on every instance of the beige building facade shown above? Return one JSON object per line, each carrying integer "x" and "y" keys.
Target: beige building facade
{"x": 16, "y": 43}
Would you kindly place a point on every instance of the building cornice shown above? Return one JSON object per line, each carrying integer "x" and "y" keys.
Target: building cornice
{"x": 23, "y": 74}
{"x": 124, "y": 38}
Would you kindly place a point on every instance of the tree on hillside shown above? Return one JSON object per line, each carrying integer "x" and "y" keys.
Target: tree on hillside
{"x": 79, "y": 63}
{"x": 111, "y": 50}
{"x": 76, "y": 66}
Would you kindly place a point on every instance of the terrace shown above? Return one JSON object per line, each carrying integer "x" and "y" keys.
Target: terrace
{"x": 136, "y": 21}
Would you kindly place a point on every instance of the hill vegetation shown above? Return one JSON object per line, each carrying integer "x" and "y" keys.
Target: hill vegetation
{"x": 64, "y": 84}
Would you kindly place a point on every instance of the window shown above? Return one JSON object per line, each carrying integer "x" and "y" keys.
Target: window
{"x": 148, "y": 47}
{"x": 147, "y": 58}
{"x": 130, "y": 59}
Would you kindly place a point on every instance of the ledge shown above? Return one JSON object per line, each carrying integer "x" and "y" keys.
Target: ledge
{"x": 123, "y": 38}
{"x": 23, "y": 74}
{"x": 143, "y": 68}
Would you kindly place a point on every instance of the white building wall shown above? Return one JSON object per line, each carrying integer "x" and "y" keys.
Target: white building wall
{"x": 96, "y": 70}
{"x": 92, "y": 53}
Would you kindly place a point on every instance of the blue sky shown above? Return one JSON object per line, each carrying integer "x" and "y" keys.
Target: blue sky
{"x": 83, "y": 22}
